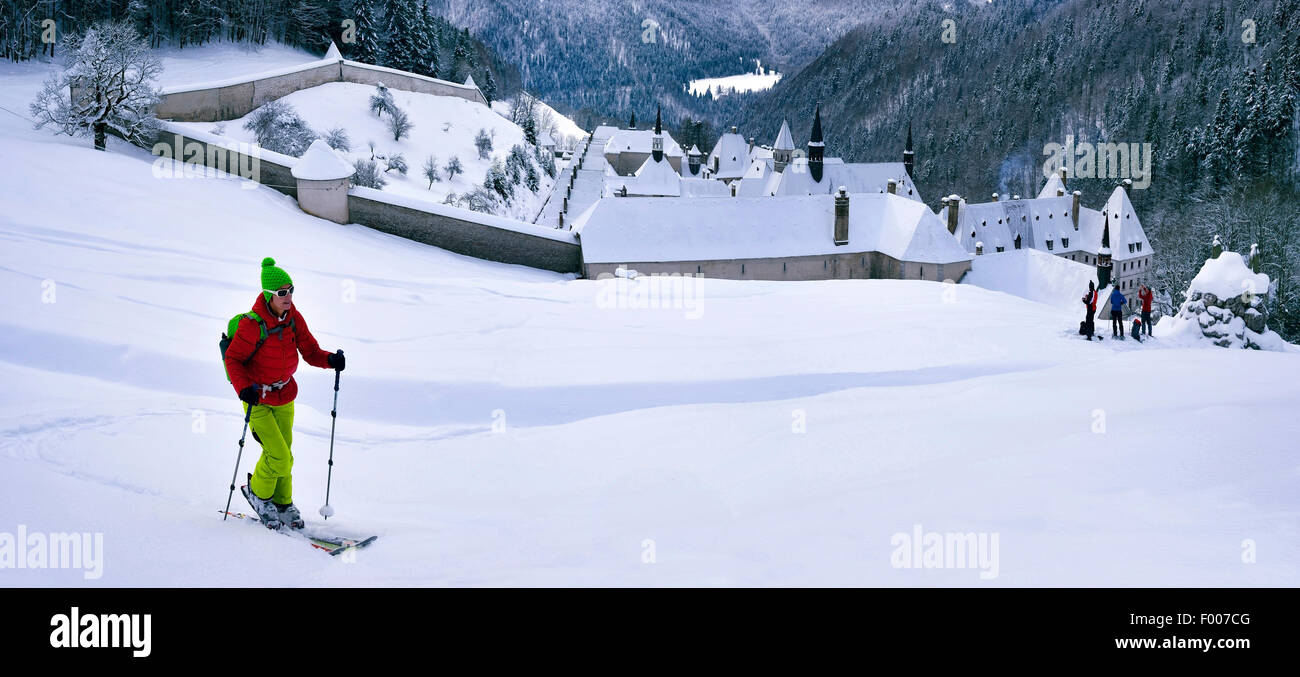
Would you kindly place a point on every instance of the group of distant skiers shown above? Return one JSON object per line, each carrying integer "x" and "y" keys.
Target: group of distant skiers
{"x": 1141, "y": 325}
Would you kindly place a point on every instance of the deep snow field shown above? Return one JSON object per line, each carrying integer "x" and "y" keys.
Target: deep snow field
{"x": 505, "y": 426}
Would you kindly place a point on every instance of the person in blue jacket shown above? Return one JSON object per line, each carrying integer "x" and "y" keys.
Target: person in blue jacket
{"x": 1117, "y": 302}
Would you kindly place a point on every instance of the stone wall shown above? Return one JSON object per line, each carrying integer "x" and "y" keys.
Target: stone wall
{"x": 268, "y": 168}
{"x": 230, "y": 100}
{"x": 471, "y": 234}
{"x": 847, "y": 266}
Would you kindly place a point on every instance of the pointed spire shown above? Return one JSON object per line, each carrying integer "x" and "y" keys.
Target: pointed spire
{"x": 1105, "y": 234}
{"x": 817, "y": 126}
{"x": 908, "y": 156}
{"x": 333, "y": 52}
{"x": 659, "y": 127}
{"x": 784, "y": 141}
{"x": 632, "y": 123}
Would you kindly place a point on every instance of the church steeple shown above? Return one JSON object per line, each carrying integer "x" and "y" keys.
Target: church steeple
{"x": 816, "y": 147}
{"x": 631, "y": 124}
{"x": 908, "y": 156}
{"x": 657, "y": 144}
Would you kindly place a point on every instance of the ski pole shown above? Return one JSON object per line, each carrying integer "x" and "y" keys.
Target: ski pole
{"x": 326, "y": 510}
{"x": 238, "y": 459}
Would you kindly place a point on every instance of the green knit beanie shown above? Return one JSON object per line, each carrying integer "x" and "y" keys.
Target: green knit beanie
{"x": 272, "y": 277}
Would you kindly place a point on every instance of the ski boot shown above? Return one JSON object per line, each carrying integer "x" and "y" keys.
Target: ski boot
{"x": 265, "y": 509}
{"x": 290, "y": 516}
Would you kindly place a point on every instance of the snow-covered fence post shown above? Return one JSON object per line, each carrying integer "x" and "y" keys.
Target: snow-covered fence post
{"x": 323, "y": 179}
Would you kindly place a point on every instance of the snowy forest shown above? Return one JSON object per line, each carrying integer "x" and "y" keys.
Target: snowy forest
{"x": 1216, "y": 100}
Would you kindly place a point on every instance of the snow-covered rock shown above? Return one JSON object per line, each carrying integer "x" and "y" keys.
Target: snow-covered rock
{"x": 1225, "y": 305}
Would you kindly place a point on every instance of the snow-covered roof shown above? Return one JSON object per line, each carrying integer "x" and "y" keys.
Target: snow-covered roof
{"x": 784, "y": 141}
{"x": 1125, "y": 228}
{"x": 1035, "y": 220}
{"x": 998, "y": 223}
{"x": 656, "y": 179}
{"x": 639, "y": 141}
{"x": 754, "y": 182}
{"x": 857, "y": 177}
{"x": 695, "y": 150}
{"x": 544, "y": 139}
{"x": 682, "y": 229}
{"x": 321, "y": 163}
{"x": 333, "y": 52}
{"x": 1053, "y": 185}
{"x": 731, "y": 153}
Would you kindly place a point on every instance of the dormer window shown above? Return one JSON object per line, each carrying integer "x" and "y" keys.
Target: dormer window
{"x": 1049, "y": 245}
{"x": 1065, "y": 242}
{"x": 1130, "y": 247}
{"x": 1139, "y": 246}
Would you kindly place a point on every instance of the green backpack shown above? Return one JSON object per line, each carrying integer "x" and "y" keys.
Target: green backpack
{"x": 233, "y": 326}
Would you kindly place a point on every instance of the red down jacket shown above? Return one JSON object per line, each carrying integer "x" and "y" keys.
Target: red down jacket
{"x": 277, "y": 359}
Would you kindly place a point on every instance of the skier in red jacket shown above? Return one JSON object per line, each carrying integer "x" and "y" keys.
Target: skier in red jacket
{"x": 266, "y": 385}
{"x": 1144, "y": 293}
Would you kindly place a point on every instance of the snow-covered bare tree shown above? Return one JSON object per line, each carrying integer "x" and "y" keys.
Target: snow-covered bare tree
{"x": 399, "y": 124}
{"x": 108, "y": 85}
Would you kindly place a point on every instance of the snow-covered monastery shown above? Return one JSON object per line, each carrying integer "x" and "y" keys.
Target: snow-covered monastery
{"x": 1057, "y": 223}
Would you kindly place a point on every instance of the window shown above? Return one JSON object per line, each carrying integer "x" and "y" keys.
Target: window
{"x": 1065, "y": 243}
{"x": 1049, "y": 245}
{"x": 1139, "y": 246}
{"x": 1130, "y": 247}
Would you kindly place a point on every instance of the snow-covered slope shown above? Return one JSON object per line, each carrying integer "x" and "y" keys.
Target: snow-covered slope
{"x": 1034, "y": 275}
{"x": 500, "y": 425}
{"x": 442, "y": 126}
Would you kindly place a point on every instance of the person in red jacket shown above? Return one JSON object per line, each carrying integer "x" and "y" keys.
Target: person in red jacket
{"x": 1090, "y": 306}
{"x": 263, "y": 377}
{"x": 1144, "y": 293}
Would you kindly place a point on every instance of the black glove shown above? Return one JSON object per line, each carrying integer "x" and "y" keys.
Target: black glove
{"x": 336, "y": 360}
{"x": 250, "y": 395}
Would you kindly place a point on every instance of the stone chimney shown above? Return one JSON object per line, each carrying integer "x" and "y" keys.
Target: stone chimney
{"x": 995, "y": 197}
{"x": 1074, "y": 210}
{"x": 841, "y": 216}
{"x": 953, "y": 202}
{"x": 1064, "y": 171}
{"x": 892, "y": 187}
{"x": 751, "y": 144}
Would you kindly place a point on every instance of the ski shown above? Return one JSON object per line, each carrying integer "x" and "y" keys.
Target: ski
{"x": 334, "y": 545}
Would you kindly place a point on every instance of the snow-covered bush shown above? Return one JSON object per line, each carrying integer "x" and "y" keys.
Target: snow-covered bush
{"x": 483, "y": 143}
{"x": 497, "y": 181}
{"x": 382, "y": 100}
{"x": 546, "y": 161}
{"x": 396, "y": 161}
{"x": 278, "y": 127}
{"x": 480, "y": 199}
{"x": 337, "y": 138}
{"x": 1226, "y": 306}
{"x": 368, "y": 175}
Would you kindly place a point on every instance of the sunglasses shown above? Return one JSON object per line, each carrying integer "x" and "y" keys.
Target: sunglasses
{"x": 280, "y": 292}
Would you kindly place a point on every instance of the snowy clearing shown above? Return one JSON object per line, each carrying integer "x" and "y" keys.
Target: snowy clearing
{"x": 744, "y": 83}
